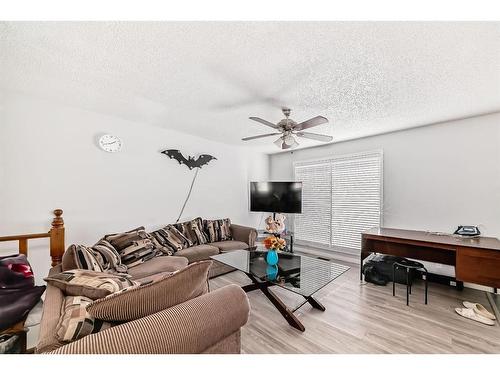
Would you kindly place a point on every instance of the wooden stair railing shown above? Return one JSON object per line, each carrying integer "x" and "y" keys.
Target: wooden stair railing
{"x": 56, "y": 235}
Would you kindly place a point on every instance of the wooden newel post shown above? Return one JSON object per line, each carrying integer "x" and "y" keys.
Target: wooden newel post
{"x": 57, "y": 238}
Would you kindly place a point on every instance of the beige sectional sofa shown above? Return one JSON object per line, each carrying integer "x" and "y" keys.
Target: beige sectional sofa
{"x": 209, "y": 323}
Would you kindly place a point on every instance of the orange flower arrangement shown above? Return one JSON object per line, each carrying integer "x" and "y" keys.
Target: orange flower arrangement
{"x": 274, "y": 243}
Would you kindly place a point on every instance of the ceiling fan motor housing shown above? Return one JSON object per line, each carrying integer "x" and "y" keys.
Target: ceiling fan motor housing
{"x": 287, "y": 124}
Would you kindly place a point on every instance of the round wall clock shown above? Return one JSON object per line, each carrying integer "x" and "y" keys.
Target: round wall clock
{"x": 110, "y": 143}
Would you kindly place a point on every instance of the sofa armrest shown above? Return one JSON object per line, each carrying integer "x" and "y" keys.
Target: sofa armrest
{"x": 244, "y": 234}
{"x": 190, "y": 327}
{"x": 52, "y": 304}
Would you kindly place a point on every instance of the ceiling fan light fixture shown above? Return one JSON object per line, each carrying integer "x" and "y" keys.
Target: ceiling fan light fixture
{"x": 278, "y": 142}
{"x": 289, "y": 140}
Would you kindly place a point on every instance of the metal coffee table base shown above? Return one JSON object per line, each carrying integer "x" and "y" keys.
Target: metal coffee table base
{"x": 282, "y": 308}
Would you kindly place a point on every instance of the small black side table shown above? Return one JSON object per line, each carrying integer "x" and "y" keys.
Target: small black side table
{"x": 408, "y": 265}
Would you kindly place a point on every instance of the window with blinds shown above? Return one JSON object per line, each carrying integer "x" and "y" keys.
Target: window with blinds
{"x": 341, "y": 197}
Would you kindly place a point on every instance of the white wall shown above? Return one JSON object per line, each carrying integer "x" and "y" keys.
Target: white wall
{"x": 49, "y": 159}
{"x": 435, "y": 177}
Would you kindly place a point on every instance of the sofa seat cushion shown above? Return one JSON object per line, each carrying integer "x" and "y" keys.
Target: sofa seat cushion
{"x": 141, "y": 301}
{"x": 197, "y": 253}
{"x": 158, "y": 265}
{"x": 230, "y": 245}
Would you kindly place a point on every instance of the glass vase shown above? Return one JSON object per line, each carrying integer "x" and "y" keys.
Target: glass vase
{"x": 272, "y": 257}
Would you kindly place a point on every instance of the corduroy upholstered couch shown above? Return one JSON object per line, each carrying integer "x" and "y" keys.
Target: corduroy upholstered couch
{"x": 209, "y": 323}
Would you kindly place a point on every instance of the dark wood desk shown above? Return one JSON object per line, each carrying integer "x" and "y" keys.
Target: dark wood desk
{"x": 476, "y": 260}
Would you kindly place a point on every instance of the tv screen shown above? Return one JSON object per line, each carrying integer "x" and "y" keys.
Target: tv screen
{"x": 279, "y": 197}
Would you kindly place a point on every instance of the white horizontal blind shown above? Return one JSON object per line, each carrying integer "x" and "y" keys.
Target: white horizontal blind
{"x": 313, "y": 225}
{"x": 356, "y": 197}
{"x": 341, "y": 198}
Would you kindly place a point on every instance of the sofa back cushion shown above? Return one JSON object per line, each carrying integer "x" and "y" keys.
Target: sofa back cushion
{"x": 75, "y": 322}
{"x": 90, "y": 284}
{"x": 140, "y": 301}
{"x": 135, "y": 246}
{"x": 217, "y": 230}
{"x": 80, "y": 257}
{"x": 193, "y": 230}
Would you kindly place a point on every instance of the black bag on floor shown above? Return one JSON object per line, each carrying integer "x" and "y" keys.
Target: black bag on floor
{"x": 378, "y": 270}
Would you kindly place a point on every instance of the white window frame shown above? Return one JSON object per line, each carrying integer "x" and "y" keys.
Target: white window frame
{"x": 330, "y": 159}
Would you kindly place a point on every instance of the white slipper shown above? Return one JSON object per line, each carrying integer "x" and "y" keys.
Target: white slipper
{"x": 471, "y": 314}
{"x": 479, "y": 309}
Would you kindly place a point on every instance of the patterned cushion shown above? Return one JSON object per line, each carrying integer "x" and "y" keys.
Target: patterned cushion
{"x": 135, "y": 246}
{"x": 108, "y": 257}
{"x": 81, "y": 257}
{"x": 169, "y": 240}
{"x": 217, "y": 230}
{"x": 140, "y": 301}
{"x": 75, "y": 322}
{"x": 193, "y": 230}
{"x": 89, "y": 284}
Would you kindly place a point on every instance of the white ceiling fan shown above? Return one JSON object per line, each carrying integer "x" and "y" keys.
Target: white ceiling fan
{"x": 288, "y": 129}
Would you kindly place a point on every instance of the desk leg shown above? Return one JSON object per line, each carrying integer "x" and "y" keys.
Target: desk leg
{"x": 460, "y": 285}
{"x": 361, "y": 268}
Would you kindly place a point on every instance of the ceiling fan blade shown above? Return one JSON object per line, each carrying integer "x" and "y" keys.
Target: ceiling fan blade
{"x": 264, "y": 122}
{"x": 259, "y": 136}
{"x": 315, "y": 121}
{"x": 316, "y": 137}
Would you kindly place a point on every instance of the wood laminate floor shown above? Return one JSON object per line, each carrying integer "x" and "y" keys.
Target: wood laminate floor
{"x": 366, "y": 319}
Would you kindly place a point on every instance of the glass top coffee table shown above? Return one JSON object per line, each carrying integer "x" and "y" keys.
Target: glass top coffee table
{"x": 300, "y": 274}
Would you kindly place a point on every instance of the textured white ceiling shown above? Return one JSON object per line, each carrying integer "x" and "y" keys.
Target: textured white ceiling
{"x": 207, "y": 78}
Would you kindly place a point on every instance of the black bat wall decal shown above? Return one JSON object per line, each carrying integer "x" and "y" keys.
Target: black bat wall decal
{"x": 190, "y": 161}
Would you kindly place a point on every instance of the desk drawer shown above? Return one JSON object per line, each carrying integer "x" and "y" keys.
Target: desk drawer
{"x": 478, "y": 266}
{"x": 436, "y": 255}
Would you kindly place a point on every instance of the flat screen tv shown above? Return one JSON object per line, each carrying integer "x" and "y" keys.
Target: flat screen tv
{"x": 279, "y": 197}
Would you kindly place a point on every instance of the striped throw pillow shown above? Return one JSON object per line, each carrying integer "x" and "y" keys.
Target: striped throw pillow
{"x": 170, "y": 240}
{"x": 75, "y": 322}
{"x": 80, "y": 257}
{"x": 217, "y": 230}
{"x": 90, "y": 284}
{"x": 193, "y": 230}
{"x": 135, "y": 246}
{"x": 108, "y": 257}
